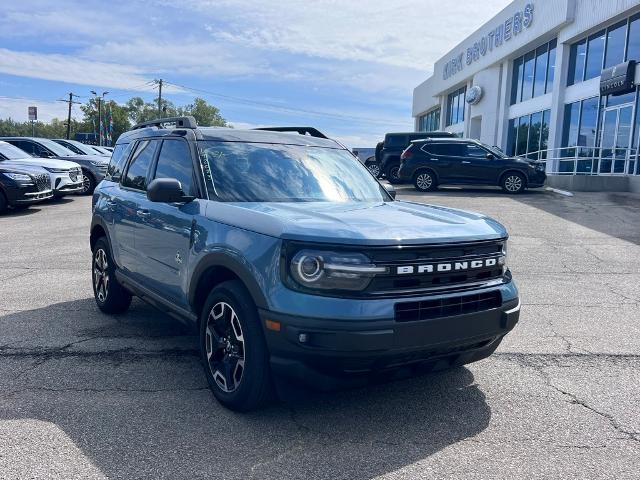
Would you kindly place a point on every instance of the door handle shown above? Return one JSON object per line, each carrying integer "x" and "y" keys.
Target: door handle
{"x": 143, "y": 213}
{"x": 464, "y": 161}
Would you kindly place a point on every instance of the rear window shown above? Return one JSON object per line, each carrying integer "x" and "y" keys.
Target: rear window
{"x": 399, "y": 141}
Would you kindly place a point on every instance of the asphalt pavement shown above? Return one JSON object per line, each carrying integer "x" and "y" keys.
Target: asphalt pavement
{"x": 86, "y": 395}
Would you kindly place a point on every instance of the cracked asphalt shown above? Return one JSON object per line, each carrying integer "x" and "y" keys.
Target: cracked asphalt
{"x": 85, "y": 395}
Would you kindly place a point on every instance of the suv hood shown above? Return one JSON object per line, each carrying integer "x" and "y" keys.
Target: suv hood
{"x": 388, "y": 223}
{"x": 39, "y": 162}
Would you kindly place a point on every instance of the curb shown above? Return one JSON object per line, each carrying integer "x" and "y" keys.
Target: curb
{"x": 560, "y": 192}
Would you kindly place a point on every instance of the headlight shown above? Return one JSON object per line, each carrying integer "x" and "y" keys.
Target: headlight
{"x": 98, "y": 164}
{"x": 330, "y": 270}
{"x": 19, "y": 177}
{"x": 503, "y": 259}
{"x": 56, "y": 170}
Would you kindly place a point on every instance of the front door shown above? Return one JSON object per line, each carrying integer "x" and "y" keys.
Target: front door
{"x": 163, "y": 241}
{"x": 615, "y": 142}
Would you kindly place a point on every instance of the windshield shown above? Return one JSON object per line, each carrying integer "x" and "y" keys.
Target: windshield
{"x": 257, "y": 172}
{"x": 56, "y": 148}
{"x": 80, "y": 147}
{"x": 497, "y": 152}
{"x": 12, "y": 152}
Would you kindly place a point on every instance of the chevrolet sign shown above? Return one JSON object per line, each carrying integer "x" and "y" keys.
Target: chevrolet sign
{"x": 450, "y": 266}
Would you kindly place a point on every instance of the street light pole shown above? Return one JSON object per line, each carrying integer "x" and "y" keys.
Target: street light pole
{"x": 100, "y": 100}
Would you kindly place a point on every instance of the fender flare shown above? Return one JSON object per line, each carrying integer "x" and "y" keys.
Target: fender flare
{"x": 233, "y": 263}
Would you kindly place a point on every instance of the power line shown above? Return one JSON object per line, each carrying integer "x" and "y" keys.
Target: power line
{"x": 281, "y": 108}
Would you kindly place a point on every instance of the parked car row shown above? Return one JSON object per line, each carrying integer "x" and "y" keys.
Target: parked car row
{"x": 427, "y": 160}
{"x": 25, "y": 163}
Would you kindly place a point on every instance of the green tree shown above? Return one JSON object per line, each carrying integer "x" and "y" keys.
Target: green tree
{"x": 119, "y": 113}
{"x": 206, "y": 115}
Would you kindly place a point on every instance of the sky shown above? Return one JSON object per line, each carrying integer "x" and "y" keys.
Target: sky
{"x": 346, "y": 67}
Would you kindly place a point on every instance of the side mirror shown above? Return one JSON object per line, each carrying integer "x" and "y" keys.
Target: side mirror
{"x": 390, "y": 190}
{"x": 166, "y": 190}
{"x": 491, "y": 156}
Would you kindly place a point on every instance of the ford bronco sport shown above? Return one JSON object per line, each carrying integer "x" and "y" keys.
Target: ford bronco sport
{"x": 293, "y": 260}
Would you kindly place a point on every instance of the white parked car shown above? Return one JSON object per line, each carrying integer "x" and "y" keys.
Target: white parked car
{"x": 66, "y": 177}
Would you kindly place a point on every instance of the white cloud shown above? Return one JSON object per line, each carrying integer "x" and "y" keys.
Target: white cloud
{"x": 70, "y": 69}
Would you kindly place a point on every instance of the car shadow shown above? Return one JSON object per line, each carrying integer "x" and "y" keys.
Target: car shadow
{"x": 20, "y": 212}
{"x": 129, "y": 393}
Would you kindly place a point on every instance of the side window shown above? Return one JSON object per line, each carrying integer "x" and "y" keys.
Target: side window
{"x": 395, "y": 141}
{"x": 446, "y": 149}
{"x": 118, "y": 159}
{"x": 136, "y": 176}
{"x": 24, "y": 145}
{"x": 475, "y": 151}
{"x": 40, "y": 151}
{"x": 175, "y": 162}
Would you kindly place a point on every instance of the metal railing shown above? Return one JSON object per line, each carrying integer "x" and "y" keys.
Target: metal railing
{"x": 588, "y": 161}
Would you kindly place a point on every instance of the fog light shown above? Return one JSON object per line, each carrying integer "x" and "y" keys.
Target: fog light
{"x": 303, "y": 338}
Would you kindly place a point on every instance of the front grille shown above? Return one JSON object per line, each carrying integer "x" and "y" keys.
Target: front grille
{"x": 395, "y": 258}
{"x": 447, "y": 307}
{"x": 43, "y": 182}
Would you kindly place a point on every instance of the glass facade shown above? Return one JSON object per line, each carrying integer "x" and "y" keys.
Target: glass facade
{"x": 430, "y": 121}
{"x": 604, "y": 49}
{"x": 533, "y": 73}
{"x": 455, "y": 106}
{"x": 529, "y": 135}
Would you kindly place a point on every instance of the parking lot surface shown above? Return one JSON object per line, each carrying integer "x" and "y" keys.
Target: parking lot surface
{"x": 86, "y": 395}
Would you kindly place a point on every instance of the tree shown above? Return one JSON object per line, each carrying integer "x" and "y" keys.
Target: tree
{"x": 206, "y": 115}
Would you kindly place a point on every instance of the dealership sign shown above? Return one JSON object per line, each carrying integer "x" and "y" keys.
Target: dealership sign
{"x": 33, "y": 113}
{"x": 494, "y": 38}
{"x": 619, "y": 79}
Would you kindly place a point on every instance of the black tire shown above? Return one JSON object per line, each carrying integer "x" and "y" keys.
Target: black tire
{"x": 3, "y": 203}
{"x": 110, "y": 296}
{"x": 424, "y": 181}
{"x": 392, "y": 174}
{"x": 88, "y": 183}
{"x": 513, "y": 182}
{"x": 225, "y": 343}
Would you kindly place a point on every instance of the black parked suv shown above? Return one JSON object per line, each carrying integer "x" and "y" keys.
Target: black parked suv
{"x": 393, "y": 146}
{"x": 432, "y": 162}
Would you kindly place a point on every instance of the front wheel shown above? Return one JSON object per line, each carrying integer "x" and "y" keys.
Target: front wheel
{"x": 374, "y": 168}
{"x": 111, "y": 297}
{"x": 393, "y": 174}
{"x": 513, "y": 182}
{"x": 88, "y": 183}
{"x": 3, "y": 203}
{"x": 233, "y": 349}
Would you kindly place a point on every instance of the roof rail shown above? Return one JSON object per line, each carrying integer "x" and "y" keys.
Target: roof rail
{"x": 314, "y": 132}
{"x": 182, "y": 122}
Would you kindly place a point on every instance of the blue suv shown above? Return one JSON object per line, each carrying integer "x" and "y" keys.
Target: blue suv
{"x": 292, "y": 260}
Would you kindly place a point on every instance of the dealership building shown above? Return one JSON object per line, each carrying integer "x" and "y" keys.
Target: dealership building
{"x": 551, "y": 80}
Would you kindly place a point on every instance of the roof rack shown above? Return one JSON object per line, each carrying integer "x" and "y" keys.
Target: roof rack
{"x": 314, "y": 132}
{"x": 183, "y": 122}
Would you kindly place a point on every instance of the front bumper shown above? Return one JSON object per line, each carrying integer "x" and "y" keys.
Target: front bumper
{"x": 327, "y": 353}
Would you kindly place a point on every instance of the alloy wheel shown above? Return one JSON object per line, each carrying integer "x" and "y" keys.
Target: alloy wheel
{"x": 86, "y": 184}
{"x": 513, "y": 183}
{"x": 424, "y": 181}
{"x": 374, "y": 168}
{"x": 225, "y": 347}
{"x": 101, "y": 275}
{"x": 394, "y": 173}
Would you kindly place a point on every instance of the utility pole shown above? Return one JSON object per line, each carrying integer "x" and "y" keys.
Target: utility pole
{"x": 100, "y": 100}
{"x": 70, "y": 102}
{"x": 159, "y": 83}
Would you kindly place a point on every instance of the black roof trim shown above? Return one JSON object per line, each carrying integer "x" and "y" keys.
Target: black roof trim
{"x": 180, "y": 122}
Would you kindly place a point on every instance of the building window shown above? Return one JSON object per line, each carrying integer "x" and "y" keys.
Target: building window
{"x": 604, "y": 49}
{"x": 533, "y": 73}
{"x": 455, "y": 106}
{"x": 579, "y": 136}
{"x": 429, "y": 122}
{"x": 529, "y": 135}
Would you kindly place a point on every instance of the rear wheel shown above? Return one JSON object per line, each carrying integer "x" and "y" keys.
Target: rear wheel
{"x": 513, "y": 182}
{"x": 110, "y": 296}
{"x": 392, "y": 174}
{"x": 233, "y": 349}
{"x": 424, "y": 181}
